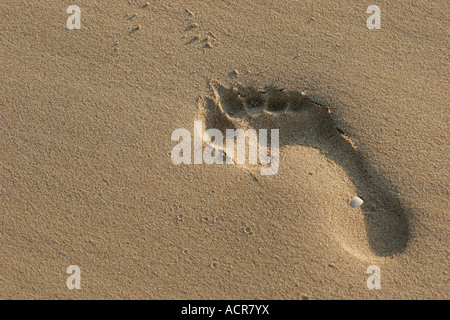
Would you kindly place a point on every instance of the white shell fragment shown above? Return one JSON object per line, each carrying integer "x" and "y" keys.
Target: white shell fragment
{"x": 356, "y": 202}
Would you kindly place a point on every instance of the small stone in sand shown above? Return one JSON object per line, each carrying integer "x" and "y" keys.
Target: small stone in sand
{"x": 356, "y": 202}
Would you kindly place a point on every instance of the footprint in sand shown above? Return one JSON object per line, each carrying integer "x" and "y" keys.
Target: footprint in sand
{"x": 303, "y": 122}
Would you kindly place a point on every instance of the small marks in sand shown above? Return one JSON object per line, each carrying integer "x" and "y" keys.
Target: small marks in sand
{"x": 133, "y": 19}
{"x": 133, "y": 16}
{"x": 234, "y": 72}
{"x": 179, "y": 218}
{"x": 204, "y": 40}
{"x": 208, "y": 220}
{"x": 332, "y": 266}
{"x": 189, "y": 12}
{"x": 212, "y": 35}
{"x": 248, "y": 230}
{"x": 115, "y": 46}
{"x": 193, "y": 25}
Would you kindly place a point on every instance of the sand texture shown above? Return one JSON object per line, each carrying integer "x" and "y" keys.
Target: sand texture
{"x": 86, "y": 170}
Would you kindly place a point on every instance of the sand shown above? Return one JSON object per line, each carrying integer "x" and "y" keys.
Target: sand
{"x": 86, "y": 176}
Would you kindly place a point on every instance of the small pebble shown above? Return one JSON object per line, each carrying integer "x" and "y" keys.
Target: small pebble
{"x": 356, "y": 202}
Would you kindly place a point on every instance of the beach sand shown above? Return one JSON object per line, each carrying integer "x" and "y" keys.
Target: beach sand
{"x": 87, "y": 179}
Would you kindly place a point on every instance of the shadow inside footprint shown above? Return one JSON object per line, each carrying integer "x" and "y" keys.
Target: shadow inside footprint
{"x": 253, "y": 98}
{"x": 303, "y": 122}
{"x": 231, "y": 100}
